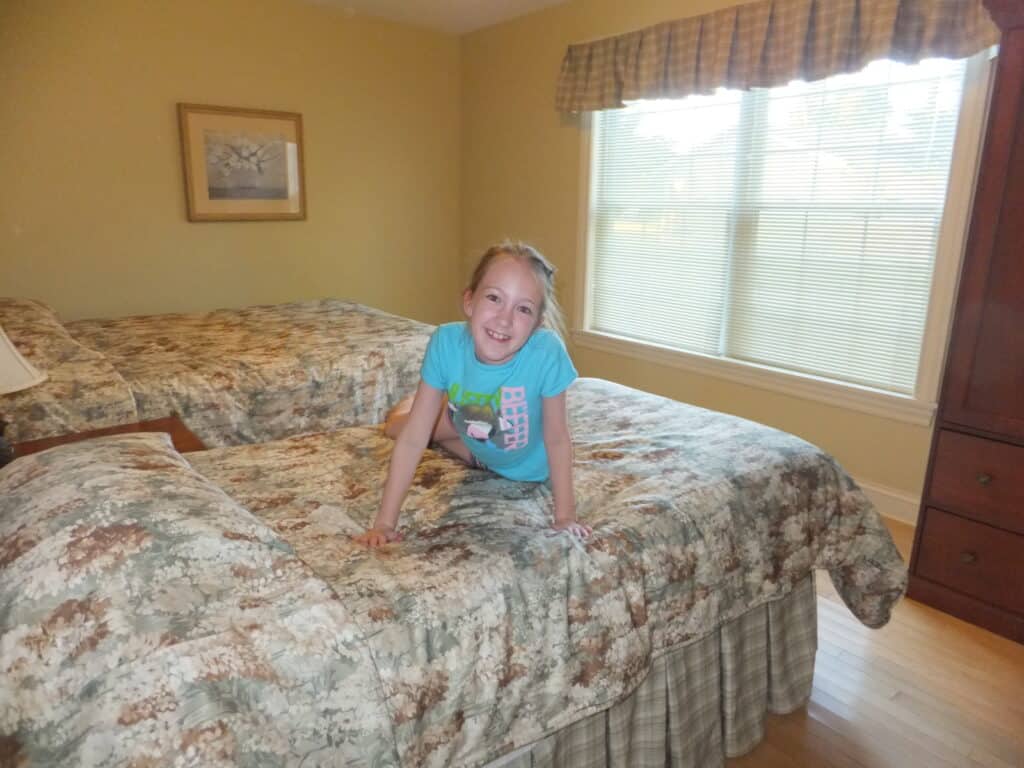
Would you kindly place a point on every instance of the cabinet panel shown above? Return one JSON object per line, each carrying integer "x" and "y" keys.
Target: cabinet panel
{"x": 996, "y": 381}
{"x": 978, "y": 478}
{"x": 972, "y": 558}
{"x": 985, "y": 369}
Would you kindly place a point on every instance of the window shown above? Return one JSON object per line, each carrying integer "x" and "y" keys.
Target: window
{"x": 798, "y": 231}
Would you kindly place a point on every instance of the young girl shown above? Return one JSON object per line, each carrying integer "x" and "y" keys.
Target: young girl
{"x": 492, "y": 390}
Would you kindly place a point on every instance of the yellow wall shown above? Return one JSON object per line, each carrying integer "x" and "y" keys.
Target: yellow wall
{"x": 521, "y": 178}
{"x": 92, "y": 212}
{"x": 421, "y": 149}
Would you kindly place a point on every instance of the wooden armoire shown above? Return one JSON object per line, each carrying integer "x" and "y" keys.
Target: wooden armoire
{"x": 969, "y": 546}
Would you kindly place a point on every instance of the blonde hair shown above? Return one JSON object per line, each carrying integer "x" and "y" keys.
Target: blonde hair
{"x": 550, "y": 311}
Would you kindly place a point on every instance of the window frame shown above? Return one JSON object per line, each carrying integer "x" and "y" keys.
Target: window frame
{"x": 918, "y": 408}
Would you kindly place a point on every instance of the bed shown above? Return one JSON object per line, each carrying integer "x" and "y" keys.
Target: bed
{"x": 233, "y": 375}
{"x": 214, "y": 610}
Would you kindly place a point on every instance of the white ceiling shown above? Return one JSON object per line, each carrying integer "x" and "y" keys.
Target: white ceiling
{"x": 454, "y": 16}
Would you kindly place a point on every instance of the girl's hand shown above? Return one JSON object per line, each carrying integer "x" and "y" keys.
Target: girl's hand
{"x": 574, "y": 527}
{"x": 377, "y": 537}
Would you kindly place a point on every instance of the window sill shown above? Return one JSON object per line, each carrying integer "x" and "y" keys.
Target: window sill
{"x": 863, "y": 399}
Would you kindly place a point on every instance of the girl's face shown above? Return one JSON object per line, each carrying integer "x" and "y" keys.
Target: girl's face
{"x": 503, "y": 310}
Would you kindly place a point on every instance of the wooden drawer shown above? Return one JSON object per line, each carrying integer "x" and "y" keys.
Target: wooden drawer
{"x": 972, "y": 558}
{"x": 978, "y": 478}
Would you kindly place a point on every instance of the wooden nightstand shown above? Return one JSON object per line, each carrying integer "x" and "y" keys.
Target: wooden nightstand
{"x": 183, "y": 439}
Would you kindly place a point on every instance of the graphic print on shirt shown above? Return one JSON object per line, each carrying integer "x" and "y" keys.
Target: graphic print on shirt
{"x": 499, "y": 419}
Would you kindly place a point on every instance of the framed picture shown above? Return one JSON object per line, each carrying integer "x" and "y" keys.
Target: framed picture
{"x": 242, "y": 164}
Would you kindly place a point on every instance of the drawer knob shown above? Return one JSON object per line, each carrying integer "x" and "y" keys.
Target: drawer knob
{"x": 984, "y": 478}
{"x": 967, "y": 557}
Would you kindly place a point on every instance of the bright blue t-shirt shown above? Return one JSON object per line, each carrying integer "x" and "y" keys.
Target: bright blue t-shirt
{"x": 496, "y": 409}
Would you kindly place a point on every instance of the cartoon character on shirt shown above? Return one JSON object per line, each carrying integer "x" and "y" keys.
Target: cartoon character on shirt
{"x": 479, "y": 422}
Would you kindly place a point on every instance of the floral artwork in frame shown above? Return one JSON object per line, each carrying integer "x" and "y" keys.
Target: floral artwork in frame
{"x": 242, "y": 164}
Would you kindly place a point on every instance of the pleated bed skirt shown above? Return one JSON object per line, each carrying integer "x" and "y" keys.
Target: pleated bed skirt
{"x": 701, "y": 702}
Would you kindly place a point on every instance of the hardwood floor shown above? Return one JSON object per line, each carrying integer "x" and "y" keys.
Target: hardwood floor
{"x": 927, "y": 690}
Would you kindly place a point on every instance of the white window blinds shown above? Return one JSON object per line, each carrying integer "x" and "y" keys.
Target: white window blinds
{"x": 794, "y": 227}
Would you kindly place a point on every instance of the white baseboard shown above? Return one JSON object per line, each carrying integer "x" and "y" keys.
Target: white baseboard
{"x": 893, "y": 503}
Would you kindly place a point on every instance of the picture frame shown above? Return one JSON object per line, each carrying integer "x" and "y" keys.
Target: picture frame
{"x": 242, "y": 164}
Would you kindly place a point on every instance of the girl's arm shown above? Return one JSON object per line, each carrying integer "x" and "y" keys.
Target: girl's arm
{"x": 558, "y": 443}
{"x": 409, "y": 447}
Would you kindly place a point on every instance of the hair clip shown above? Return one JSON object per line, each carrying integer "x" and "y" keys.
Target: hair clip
{"x": 549, "y": 269}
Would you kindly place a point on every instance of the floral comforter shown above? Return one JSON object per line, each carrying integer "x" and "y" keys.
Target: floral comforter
{"x": 83, "y": 390}
{"x": 224, "y": 612}
{"x": 146, "y": 619}
{"x": 489, "y": 632}
{"x": 234, "y": 375}
{"x": 262, "y": 373}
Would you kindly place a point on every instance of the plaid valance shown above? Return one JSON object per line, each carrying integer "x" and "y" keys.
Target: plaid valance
{"x": 766, "y": 43}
